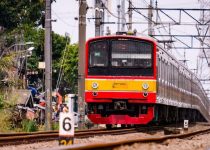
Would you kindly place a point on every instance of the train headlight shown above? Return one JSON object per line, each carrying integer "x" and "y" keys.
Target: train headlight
{"x": 95, "y": 85}
{"x": 145, "y": 86}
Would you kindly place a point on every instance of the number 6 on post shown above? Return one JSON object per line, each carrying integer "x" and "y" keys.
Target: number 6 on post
{"x": 66, "y": 128}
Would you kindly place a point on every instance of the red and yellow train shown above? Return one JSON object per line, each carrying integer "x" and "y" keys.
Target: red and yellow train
{"x": 132, "y": 80}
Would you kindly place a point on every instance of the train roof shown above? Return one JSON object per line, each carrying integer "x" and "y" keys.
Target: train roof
{"x": 147, "y": 38}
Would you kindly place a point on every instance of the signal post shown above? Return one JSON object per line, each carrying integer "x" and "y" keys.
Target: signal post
{"x": 66, "y": 125}
{"x": 66, "y": 128}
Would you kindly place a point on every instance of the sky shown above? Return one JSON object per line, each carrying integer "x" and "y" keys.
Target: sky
{"x": 65, "y": 12}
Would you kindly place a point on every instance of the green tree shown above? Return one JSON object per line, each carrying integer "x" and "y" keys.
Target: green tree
{"x": 14, "y": 13}
{"x": 58, "y": 45}
{"x": 36, "y": 35}
{"x": 70, "y": 67}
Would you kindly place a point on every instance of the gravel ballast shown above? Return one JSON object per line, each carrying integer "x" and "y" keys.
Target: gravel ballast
{"x": 200, "y": 142}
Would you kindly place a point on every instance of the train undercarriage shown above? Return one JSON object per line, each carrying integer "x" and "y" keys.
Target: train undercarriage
{"x": 121, "y": 112}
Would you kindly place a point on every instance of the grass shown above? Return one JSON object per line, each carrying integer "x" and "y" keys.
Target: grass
{"x": 55, "y": 126}
{"x": 5, "y": 125}
{"x": 7, "y": 118}
{"x": 29, "y": 126}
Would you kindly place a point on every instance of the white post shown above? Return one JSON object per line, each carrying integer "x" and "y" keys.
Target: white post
{"x": 186, "y": 124}
{"x": 71, "y": 102}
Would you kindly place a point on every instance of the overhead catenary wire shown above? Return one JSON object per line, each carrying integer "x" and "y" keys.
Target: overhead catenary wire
{"x": 112, "y": 14}
{"x": 62, "y": 20}
{"x": 158, "y": 28}
{"x": 146, "y": 2}
{"x": 134, "y": 8}
{"x": 169, "y": 34}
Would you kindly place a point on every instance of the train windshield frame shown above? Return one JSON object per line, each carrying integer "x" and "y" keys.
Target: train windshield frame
{"x": 98, "y": 54}
{"x": 128, "y": 53}
{"x": 121, "y": 57}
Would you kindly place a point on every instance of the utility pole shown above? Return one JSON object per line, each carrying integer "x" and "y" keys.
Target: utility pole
{"x": 118, "y": 16}
{"x": 81, "y": 66}
{"x": 108, "y": 4}
{"x": 102, "y": 19}
{"x": 123, "y": 15}
{"x": 130, "y": 16}
{"x": 97, "y": 17}
{"x": 150, "y": 15}
{"x": 48, "y": 65}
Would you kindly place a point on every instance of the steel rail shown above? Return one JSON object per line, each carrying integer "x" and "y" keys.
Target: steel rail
{"x": 42, "y": 132}
{"x": 111, "y": 145}
{"x": 22, "y": 139}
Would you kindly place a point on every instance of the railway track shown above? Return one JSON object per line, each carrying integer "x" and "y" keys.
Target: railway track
{"x": 111, "y": 145}
{"x": 27, "y": 138}
{"x": 41, "y": 132}
{"x": 23, "y": 138}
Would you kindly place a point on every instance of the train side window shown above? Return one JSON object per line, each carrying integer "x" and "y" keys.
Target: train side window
{"x": 177, "y": 77}
{"x": 170, "y": 72}
{"x": 165, "y": 79}
{"x": 173, "y": 71}
{"x": 161, "y": 71}
{"x": 166, "y": 72}
{"x": 159, "y": 76}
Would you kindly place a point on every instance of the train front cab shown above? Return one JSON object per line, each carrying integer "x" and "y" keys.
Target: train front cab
{"x": 120, "y": 83}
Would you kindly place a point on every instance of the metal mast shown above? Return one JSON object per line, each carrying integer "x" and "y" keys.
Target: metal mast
{"x": 108, "y": 32}
{"x": 81, "y": 66}
{"x": 97, "y": 17}
{"x": 48, "y": 65}
{"x": 118, "y": 16}
{"x": 102, "y": 18}
{"x": 123, "y": 15}
{"x": 130, "y": 16}
{"x": 150, "y": 15}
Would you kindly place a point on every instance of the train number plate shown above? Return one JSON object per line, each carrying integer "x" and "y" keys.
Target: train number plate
{"x": 119, "y": 85}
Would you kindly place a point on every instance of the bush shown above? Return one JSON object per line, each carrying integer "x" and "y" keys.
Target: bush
{"x": 55, "y": 126}
{"x": 29, "y": 126}
{"x": 1, "y": 101}
{"x": 4, "y": 119}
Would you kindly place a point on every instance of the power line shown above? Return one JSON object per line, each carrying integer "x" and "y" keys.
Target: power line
{"x": 110, "y": 11}
{"x": 114, "y": 14}
{"x": 146, "y": 2}
{"x": 134, "y": 8}
{"x": 63, "y": 20}
{"x": 168, "y": 33}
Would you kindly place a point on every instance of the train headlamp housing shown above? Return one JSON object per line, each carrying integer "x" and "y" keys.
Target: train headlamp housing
{"x": 95, "y": 85}
{"x": 145, "y": 86}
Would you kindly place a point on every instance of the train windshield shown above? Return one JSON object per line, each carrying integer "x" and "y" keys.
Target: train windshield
{"x": 98, "y": 56}
{"x": 120, "y": 57}
{"x": 131, "y": 53}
